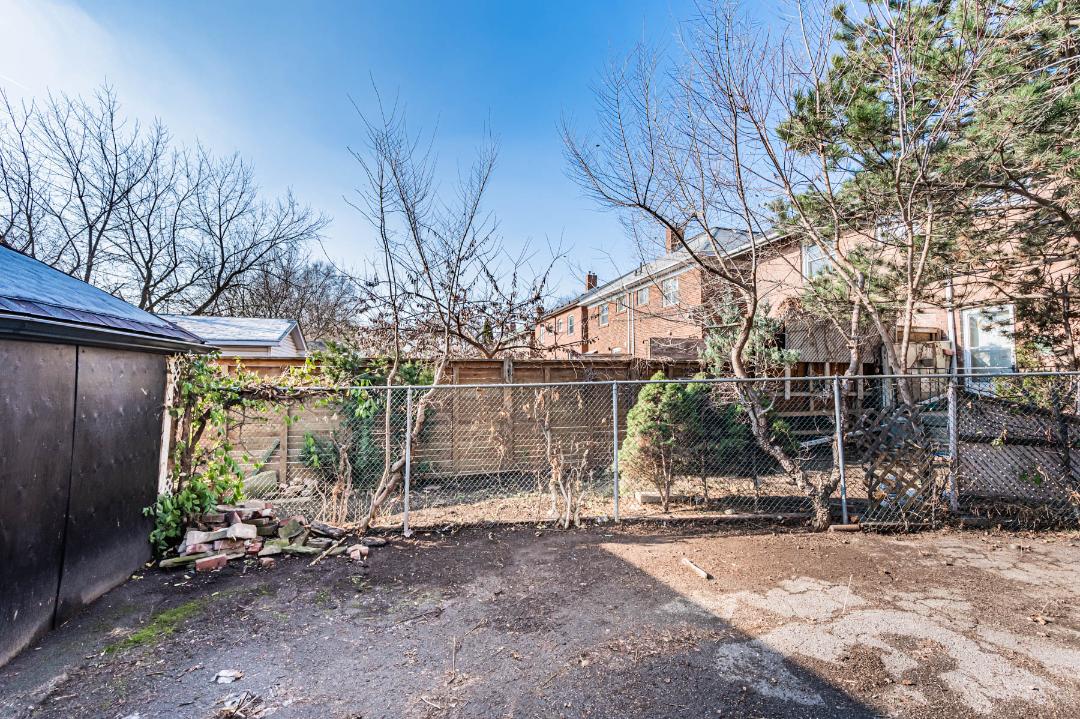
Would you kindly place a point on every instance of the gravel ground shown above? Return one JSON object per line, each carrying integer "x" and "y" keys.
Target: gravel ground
{"x": 599, "y": 622}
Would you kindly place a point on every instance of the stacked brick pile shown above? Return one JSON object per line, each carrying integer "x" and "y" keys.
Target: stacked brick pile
{"x": 252, "y": 530}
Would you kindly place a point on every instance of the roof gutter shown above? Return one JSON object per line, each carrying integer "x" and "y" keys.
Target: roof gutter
{"x": 43, "y": 330}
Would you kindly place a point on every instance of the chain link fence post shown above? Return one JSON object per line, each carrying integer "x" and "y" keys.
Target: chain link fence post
{"x": 954, "y": 445}
{"x": 408, "y": 461}
{"x": 615, "y": 444}
{"x": 839, "y": 421}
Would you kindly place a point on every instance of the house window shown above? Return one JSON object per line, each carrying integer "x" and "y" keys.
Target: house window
{"x": 642, "y": 297}
{"x": 603, "y": 318}
{"x": 988, "y": 343}
{"x": 541, "y": 333}
{"x": 558, "y": 327}
{"x": 620, "y": 304}
{"x": 814, "y": 260}
{"x": 570, "y": 325}
{"x": 670, "y": 289}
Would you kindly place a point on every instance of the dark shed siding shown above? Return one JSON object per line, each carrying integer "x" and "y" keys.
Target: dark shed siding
{"x": 114, "y": 471}
{"x": 80, "y": 440}
{"x": 37, "y": 399}
{"x": 82, "y": 383}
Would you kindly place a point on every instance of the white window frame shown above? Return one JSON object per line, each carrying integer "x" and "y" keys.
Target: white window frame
{"x": 569, "y": 325}
{"x": 542, "y": 331}
{"x": 641, "y": 291}
{"x": 669, "y": 290}
{"x": 603, "y": 316}
{"x": 558, "y": 326}
{"x": 814, "y": 260}
{"x": 620, "y": 304}
{"x": 973, "y": 383}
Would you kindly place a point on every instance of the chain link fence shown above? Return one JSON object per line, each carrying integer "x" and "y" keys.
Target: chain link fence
{"x": 916, "y": 451}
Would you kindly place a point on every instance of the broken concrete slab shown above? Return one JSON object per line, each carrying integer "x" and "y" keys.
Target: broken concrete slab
{"x": 268, "y": 530}
{"x": 229, "y": 545}
{"x": 194, "y": 536}
{"x": 300, "y": 549}
{"x": 291, "y": 529}
{"x": 242, "y": 531}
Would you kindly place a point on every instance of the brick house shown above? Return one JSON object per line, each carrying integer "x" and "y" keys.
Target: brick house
{"x": 658, "y": 311}
{"x": 652, "y": 312}
{"x": 564, "y": 331}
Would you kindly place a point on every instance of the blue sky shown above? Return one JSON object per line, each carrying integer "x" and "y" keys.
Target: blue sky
{"x": 273, "y": 79}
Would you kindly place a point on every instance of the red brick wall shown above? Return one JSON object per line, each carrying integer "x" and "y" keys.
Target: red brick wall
{"x": 650, "y": 319}
{"x": 562, "y": 344}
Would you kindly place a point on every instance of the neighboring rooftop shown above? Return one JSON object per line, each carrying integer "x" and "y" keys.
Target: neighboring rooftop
{"x": 276, "y": 337}
{"x": 732, "y": 242}
{"x": 41, "y": 302}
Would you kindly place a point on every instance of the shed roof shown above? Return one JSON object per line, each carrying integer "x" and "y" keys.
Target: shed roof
{"x": 236, "y": 331}
{"x": 40, "y": 302}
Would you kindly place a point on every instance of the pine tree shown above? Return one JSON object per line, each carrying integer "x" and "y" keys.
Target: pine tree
{"x": 648, "y": 453}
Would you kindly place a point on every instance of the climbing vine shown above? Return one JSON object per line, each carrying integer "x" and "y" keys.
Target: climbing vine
{"x": 203, "y": 470}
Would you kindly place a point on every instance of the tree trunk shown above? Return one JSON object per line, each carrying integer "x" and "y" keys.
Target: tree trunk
{"x": 395, "y": 473}
{"x": 820, "y": 518}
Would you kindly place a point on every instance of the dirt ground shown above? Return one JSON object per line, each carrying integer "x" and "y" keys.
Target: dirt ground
{"x": 599, "y": 622}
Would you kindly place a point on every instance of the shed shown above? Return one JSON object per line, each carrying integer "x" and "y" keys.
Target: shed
{"x": 246, "y": 336}
{"x": 82, "y": 395}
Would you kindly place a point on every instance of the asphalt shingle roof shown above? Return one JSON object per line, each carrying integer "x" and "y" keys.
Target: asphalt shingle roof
{"x": 731, "y": 242}
{"x": 30, "y": 289}
{"x": 235, "y": 330}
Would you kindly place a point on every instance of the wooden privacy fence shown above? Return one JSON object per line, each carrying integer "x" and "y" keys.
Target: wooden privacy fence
{"x": 469, "y": 429}
{"x": 510, "y": 370}
{"x": 972, "y": 445}
{"x": 474, "y": 429}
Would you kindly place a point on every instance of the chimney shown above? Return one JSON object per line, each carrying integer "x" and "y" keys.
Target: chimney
{"x": 590, "y": 281}
{"x": 671, "y": 241}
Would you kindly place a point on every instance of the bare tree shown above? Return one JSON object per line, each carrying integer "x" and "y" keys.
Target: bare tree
{"x": 153, "y": 246}
{"x": 844, "y": 137}
{"x": 21, "y": 205}
{"x": 656, "y": 156}
{"x": 105, "y": 199}
{"x": 237, "y": 231}
{"x": 93, "y": 159}
{"x": 446, "y": 283}
{"x": 443, "y": 262}
{"x": 324, "y": 299}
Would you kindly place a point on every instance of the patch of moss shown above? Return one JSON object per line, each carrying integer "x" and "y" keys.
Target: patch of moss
{"x": 160, "y": 625}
